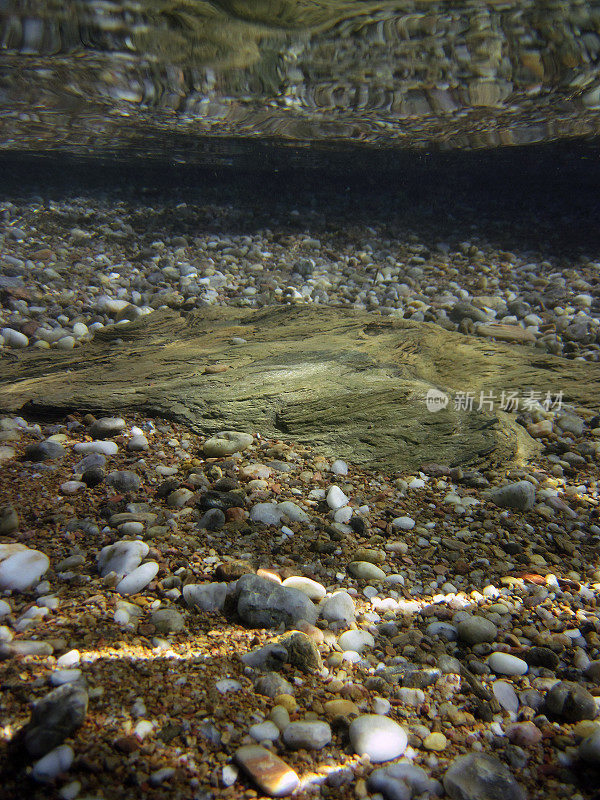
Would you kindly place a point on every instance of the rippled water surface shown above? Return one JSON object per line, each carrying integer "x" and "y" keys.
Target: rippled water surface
{"x": 200, "y": 81}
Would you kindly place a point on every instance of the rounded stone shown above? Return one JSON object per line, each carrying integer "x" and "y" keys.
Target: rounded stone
{"x": 307, "y": 735}
{"x": 475, "y": 630}
{"x": 506, "y": 664}
{"x": 377, "y": 736}
{"x": 364, "y": 570}
{"x": 167, "y": 620}
{"x": 570, "y": 702}
{"x": 226, "y": 443}
{"x": 137, "y": 580}
{"x": 435, "y": 741}
{"x": 312, "y": 589}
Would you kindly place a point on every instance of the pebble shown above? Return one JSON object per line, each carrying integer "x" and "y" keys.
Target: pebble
{"x": 138, "y": 579}
{"x": 435, "y": 741}
{"x": 356, "y": 640}
{"x": 124, "y": 480}
{"x": 53, "y": 764}
{"x": 208, "y": 597}
{"x": 336, "y": 498}
{"x": 519, "y": 496}
{"x": 226, "y": 443}
{"x": 403, "y": 524}
{"x": 45, "y": 451}
{"x": 265, "y": 731}
{"x": 312, "y": 589}
{"x": 270, "y": 773}
{"x": 377, "y": 736}
{"x": 54, "y": 717}
{"x": 338, "y": 608}
{"x": 167, "y": 620}
{"x": 20, "y": 567}
{"x": 101, "y": 447}
{"x": 364, "y": 570}
{"x": 307, "y": 735}
{"x": 478, "y": 776}
{"x": 105, "y": 427}
{"x": 570, "y": 702}
{"x": 14, "y": 338}
{"x": 506, "y": 664}
{"x": 589, "y": 748}
{"x": 9, "y": 520}
{"x": 402, "y": 781}
{"x": 506, "y": 696}
{"x": 122, "y": 557}
{"x": 475, "y": 630}
{"x": 265, "y": 604}
{"x": 137, "y": 444}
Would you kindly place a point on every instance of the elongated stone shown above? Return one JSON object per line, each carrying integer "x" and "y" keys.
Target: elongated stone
{"x": 270, "y": 773}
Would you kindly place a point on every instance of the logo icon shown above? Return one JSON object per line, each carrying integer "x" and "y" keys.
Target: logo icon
{"x": 436, "y": 400}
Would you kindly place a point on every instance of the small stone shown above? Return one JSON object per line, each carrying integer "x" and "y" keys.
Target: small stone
{"x": 137, "y": 444}
{"x": 307, "y": 735}
{"x": 336, "y": 498}
{"x": 435, "y": 741}
{"x": 226, "y": 443}
{"x": 9, "y": 520}
{"x": 209, "y": 597}
{"x": 302, "y": 652}
{"x": 265, "y": 604}
{"x": 122, "y": 557}
{"x": 338, "y": 608}
{"x": 270, "y": 773}
{"x": 265, "y": 731}
{"x": 137, "y": 580}
{"x": 518, "y": 496}
{"x": 313, "y": 590}
{"x": 571, "y": 702}
{"x": 53, "y": 718}
{"x": 356, "y": 640}
{"x": 523, "y": 734}
{"x": 271, "y": 684}
{"x": 364, "y": 570}
{"x": 44, "y": 451}
{"x": 20, "y": 567}
{"x": 476, "y": 630}
{"x": 103, "y": 448}
{"x": 377, "y": 736}
{"x": 506, "y": 664}
{"x": 481, "y": 777}
{"x": 403, "y": 524}
{"x": 167, "y": 620}
{"x": 589, "y": 749}
{"x": 105, "y": 427}
{"x": 53, "y": 764}
{"x": 506, "y": 696}
{"x": 340, "y": 708}
{"x": 14, "y": 338}
{"x": 124, "y": 480}
{"x": 402, "y": 782}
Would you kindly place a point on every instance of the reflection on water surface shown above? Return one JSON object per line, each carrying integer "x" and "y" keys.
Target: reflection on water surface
{"x": 198, "y": 80}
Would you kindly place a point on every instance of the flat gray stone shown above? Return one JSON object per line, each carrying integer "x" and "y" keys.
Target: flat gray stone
{"x": 481, "y": 777}
{"x": 265, "y": 604}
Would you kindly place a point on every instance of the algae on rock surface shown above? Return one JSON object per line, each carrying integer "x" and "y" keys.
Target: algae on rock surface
{"x": 346, "y": 382}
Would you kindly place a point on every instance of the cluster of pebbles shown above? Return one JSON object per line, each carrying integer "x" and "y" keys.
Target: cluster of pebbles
{"x": 74, "y": 266}
{"x": 232, "y": 616}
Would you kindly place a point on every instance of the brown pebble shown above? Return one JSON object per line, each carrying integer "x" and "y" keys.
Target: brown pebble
{"x": 268, "y": 771}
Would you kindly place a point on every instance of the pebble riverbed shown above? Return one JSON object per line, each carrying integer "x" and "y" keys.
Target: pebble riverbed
{"x": 232, "y": 616}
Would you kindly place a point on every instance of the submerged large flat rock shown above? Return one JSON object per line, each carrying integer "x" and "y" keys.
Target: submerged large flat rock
{"x": 349, "y": 383}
